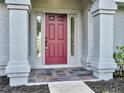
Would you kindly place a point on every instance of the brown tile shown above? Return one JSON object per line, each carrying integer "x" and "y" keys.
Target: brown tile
{"x": 41, "y": 78}
{"x": 87, "y": 77}
{"x": 51, "y": 78}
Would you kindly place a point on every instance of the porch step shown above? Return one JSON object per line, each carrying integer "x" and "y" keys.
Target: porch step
{"x": 87, "y": 72}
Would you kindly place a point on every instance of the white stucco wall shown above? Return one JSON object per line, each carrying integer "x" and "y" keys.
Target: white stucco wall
{"x": 85, "y": 33}
{"x": 119, "y": 27}
{"x": 35, "y": 62}
{"x": 4, "y": 34}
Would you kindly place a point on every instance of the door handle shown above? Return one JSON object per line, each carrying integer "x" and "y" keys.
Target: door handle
{"x": 46, "y": 46}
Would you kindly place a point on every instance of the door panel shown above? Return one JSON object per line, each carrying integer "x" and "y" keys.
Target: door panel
{"x": 56, "y": 39}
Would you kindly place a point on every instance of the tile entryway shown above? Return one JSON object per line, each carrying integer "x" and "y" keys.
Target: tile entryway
{"x": 60, "y": 74}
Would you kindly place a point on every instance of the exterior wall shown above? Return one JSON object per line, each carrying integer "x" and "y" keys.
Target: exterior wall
{"x": 33, "y": 52}
{"x": 4, "y": 37}
{"x": 85, "y": 34}
{"x": 119, "y": 27}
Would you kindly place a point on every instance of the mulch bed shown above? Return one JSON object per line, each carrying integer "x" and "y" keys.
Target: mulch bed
{"x": 112, "y": 86}
{"x": 5, "y": 88}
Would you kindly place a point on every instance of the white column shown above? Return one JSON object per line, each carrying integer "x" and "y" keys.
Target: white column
{"x": 18, "y": 67}
{"x": 103, "y": 63}
{"x": 87, "y": 38}
{"x": 90, "y": 40}
{"x": 4, "y": 35}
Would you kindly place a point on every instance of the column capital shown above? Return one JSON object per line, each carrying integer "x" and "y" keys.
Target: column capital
{"x": 18, "y": 4}
{"x": 120, "y": 1}
{"x": 103, "y": 7}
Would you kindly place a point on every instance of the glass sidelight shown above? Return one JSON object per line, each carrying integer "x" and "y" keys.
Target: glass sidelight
{"x": 72, "y": 36}
{"x": 39, "y": 36}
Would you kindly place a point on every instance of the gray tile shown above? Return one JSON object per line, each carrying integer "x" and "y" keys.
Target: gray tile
{"x": 59, "y": 74}
{"x": 64, "y": 79}
{"x": 83, "y": 72}
{"x": 42, "y": 72}
{"x": 51, "y": 78}
{"x": 48, "y": 72}
{"x": 32, "y": 80}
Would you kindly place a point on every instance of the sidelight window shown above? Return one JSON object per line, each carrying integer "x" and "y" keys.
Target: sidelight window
{"x": 72, "y": 36}
{"x": 39, "y": 36}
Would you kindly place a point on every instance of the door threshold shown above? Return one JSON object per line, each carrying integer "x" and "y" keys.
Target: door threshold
{"x": 57, "y": 66}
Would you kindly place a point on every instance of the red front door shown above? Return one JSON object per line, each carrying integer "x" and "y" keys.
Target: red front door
{"x": 56, "y": 39}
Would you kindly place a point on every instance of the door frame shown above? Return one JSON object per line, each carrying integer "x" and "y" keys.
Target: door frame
{"x": 70, "y": 13}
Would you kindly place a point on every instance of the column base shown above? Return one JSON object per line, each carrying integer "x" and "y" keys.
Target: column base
{"x": 103, "y": 69}
{"x": 18, "y": 81}
{"x": 103, "y": 75}
{"x": 86, "y": 63}
{"x": 3, "y": 63}
{"x": 2, "y": 71}
{"x": 18, "y": 73}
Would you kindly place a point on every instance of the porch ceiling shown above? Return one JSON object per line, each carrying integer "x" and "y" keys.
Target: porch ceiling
{"x": 60, "y": 4}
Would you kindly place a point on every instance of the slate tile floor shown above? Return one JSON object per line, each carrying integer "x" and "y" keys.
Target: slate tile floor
{"x": 60, "y": 74}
